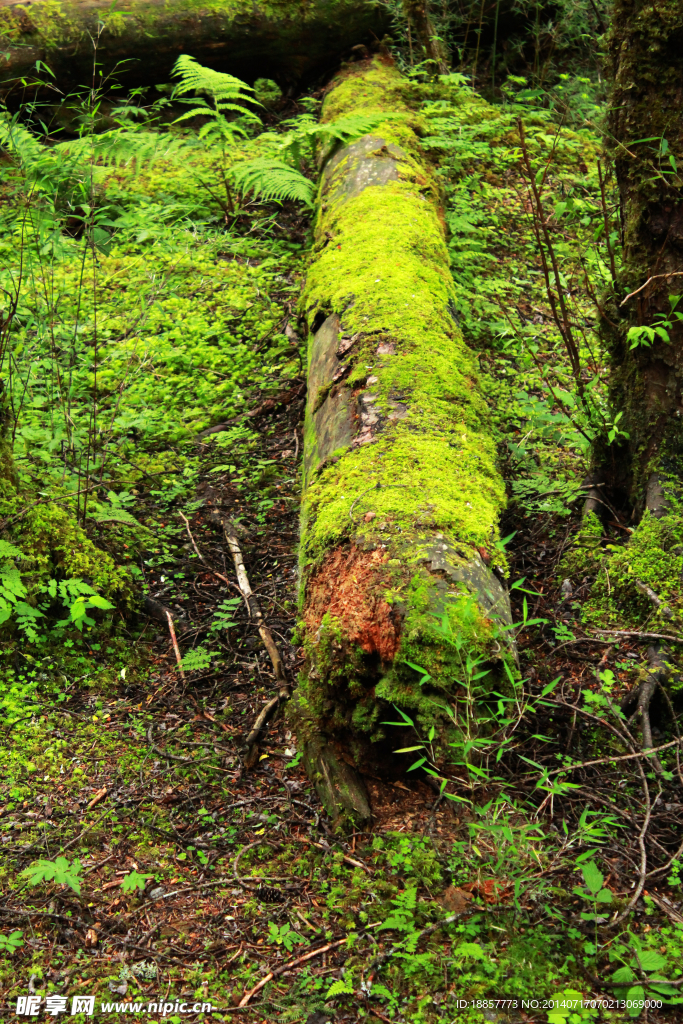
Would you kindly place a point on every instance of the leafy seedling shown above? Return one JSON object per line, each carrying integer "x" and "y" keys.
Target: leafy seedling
{"x": 58, "y": 871}
{"x": 133, "y": 881}
{"x": 11, "y": 943}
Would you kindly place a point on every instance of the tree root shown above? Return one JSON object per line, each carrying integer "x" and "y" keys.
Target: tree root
{"x": 658, "y": 672}
{"x": 340, "y": 788}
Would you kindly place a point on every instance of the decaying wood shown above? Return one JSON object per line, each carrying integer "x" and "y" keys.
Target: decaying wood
{"x": 392, "y": 467}
{"x": 142, "y": 39}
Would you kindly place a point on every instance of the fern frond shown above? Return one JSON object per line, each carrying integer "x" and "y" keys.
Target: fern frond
{"x": 204, "y": 110}
{"x": 354, "y": 125}
{"x": 221, "y": 87}
{"x": 123, "y": 146}
{"x": 19, "y": 141}
{"x": 306, "y": 129}
{"x": 272, "y": 179}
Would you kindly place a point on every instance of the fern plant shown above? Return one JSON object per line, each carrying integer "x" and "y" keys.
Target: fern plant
{"x": 305, "y": 133}
{"x": 226, "y": 93}
{"x": 272, "y": 179}
{"x": 281, "y": 176}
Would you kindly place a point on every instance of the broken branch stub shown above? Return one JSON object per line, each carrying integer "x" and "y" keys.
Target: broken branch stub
{"x": 400, "y": 603}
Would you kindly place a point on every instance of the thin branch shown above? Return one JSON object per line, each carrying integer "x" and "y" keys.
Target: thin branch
{"x": 677, "y": 273}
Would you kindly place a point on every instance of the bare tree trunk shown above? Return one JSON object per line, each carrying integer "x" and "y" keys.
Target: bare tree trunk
{"x": 401, "y": 494}
{"x": 284, "y": 40}
{"x": 645, "y": 133}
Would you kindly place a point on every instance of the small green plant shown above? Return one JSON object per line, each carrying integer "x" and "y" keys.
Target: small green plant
{"x": 59, "y": 871}
{"x": 639, "y": 965}
{"x": 615, "y": 430}
{"x": 643, "y": 336}
{"x": 228, "y": 95}
{"x": 596, "y": 894}
{"x": 402, "y": 918}
{"x": 12, "y": 942}
{"x": 594, "y": 891}
{"x": 198, "y": 659}
{"x": 284, "y": 935}
{"x": 134, "y": 881}
{"x": 341, "y": 987}
{"x": 223, "y": 616}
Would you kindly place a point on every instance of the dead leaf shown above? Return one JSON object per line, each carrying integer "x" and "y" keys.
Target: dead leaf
{"x": 90, "y": 938}
{"x": 455, "y": 900}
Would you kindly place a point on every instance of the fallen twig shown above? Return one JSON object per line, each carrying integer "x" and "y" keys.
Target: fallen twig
{"x": 287, "y": 967}
{"x": 656, "y": 600}
{"x": 642, "y": 636}
{"x": 622, "y": 757}
{"x": 164, "y": 753}
{"x": 348, "y": 860}
{"x": 267, "y": 638}
{"x": 174, "y": 641}
{"x": 261, "y": 878}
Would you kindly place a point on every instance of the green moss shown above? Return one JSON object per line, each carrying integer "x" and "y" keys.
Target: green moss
{"x": 56, "y": 547}
{"x": 653, "y": 556}
{"x": 386, "y": 273}
{"x": 59, "y": 22}
{"x": 420, "y": 483}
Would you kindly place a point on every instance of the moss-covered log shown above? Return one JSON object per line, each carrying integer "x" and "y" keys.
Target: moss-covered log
{"x": 401, "y": 495}
{"x": 286, "y": 40}
{"x": 646, "y": 138}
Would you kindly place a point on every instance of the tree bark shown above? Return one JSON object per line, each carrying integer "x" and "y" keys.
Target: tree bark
{"x": 401, "y": 492}
{"x": 288, "y": 41}
{"x": 434, "y": 51}
{"x": 645, "y": 134}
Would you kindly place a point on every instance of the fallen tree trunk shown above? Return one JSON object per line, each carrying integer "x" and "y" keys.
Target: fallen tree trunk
{"x": 401, "y": 493}
{"x": 285, "y": 40}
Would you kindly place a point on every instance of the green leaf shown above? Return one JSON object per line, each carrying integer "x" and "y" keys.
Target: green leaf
{"x": 10, "y": 943}
{"x": 592, "y": 876}
{"x": 133, "y": 881}
{"x": 272, "y": 179}
{"x": 343, "y": 987}
{"x": 58, "y": 871}
{"x": 635, "y": 995}
{"x": 651, "y": 961}
{"x": 470, "y": 949}
{"x": 623, "y": 975}
{"x": 604, "y": 896}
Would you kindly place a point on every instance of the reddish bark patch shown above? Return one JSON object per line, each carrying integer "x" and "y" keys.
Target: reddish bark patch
{"x": 350, "y": 585}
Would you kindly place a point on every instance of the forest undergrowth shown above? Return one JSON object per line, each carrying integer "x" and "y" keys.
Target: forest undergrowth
{"x": 154, "y": 375}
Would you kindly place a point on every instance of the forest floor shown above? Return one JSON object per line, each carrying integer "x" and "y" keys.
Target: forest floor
{"x": 189, "y": 877}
